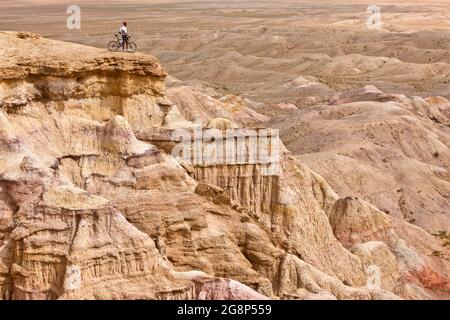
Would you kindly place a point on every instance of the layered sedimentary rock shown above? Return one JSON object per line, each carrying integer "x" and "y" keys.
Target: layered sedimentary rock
{"x": 95, "y": 203}
{"x": 205, "y": 104}
{"x": 390, "y": 150}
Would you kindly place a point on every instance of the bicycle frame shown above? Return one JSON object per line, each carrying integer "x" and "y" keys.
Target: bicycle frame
{"x": 120, "y": 40}
{"x": 120, "y": 43}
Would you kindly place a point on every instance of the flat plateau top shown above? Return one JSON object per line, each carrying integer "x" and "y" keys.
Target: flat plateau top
{"x": 25, "y": 54}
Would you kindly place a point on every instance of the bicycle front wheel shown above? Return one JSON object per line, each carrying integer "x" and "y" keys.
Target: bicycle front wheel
{"x": 114, "y": 46}
{"x": 132, "y": 47}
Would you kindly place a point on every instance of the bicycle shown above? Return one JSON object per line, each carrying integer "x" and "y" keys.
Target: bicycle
{"x": 117, "y": 44}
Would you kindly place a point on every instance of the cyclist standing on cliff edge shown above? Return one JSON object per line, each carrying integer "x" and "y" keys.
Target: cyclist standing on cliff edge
{"x": 123, "y": 31}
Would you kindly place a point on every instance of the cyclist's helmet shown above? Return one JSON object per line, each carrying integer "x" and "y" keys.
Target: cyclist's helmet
{"x": 125, "y": 23}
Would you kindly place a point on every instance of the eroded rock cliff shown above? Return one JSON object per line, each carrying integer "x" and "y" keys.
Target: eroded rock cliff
{"x": 94, "y": 204}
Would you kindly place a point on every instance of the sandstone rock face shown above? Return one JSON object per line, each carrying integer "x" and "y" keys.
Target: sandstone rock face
{"x": 204, "y": 104}
{"x": 94, "y": 204}
{"x": 380, "y": 262}
{"x": 392, "y": 151}
{"x": 355, "y": 221}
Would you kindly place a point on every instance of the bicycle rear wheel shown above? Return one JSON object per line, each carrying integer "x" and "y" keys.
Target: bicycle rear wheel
{"x": 114, "y": 46}
{"x": 132, "y": 47}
